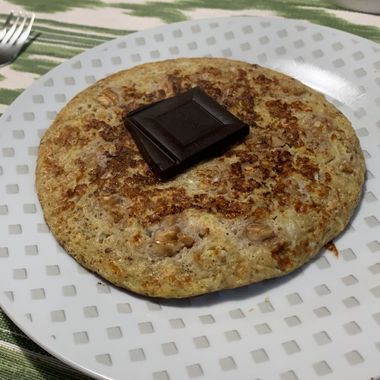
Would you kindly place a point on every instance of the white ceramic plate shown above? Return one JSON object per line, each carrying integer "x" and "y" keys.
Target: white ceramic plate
{"x": 321, "y": 320}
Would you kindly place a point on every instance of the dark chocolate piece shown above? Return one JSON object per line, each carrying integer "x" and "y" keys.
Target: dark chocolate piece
{"x": 177, "y": 132}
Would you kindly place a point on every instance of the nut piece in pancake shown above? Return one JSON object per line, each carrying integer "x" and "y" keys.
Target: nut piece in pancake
{"x": 261, "y": 210}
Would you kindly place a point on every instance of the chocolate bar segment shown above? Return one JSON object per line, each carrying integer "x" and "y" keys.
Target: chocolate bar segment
{"x": 177, "y": 132}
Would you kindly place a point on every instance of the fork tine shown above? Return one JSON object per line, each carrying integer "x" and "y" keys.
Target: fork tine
{"x": 10, "y": 32}
{"x": 18, "y": 31}
{"x": 26, "y": 32}
{"x": 6, "y": 23}
{"x": 17, "y": 35}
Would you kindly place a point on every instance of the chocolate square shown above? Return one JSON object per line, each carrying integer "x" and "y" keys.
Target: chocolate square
{"x": 177, "y": 132}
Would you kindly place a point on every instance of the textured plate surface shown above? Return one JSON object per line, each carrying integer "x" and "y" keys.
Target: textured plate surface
{"x": 321, "y": 322}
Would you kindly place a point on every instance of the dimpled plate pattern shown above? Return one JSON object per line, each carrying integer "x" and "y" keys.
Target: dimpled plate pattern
{"x": 322, "y": 321}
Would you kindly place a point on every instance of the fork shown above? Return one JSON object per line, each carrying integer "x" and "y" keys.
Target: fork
{"x": 14, "y": 35}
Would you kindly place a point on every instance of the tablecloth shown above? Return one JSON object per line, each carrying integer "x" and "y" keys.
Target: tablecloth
{"x": 64, "y": 28}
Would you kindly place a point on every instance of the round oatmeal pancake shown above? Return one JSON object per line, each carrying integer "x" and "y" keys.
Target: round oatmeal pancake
{"x": 260, "y": 210}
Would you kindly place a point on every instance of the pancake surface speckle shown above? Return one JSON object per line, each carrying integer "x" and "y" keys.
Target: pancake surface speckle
{"x": 260, "y": 210}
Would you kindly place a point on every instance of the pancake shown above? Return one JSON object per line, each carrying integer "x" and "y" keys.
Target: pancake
{"x": 260, "y": 210}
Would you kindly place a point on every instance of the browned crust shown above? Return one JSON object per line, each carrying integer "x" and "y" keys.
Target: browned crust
{"x": 261, "y": 210}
